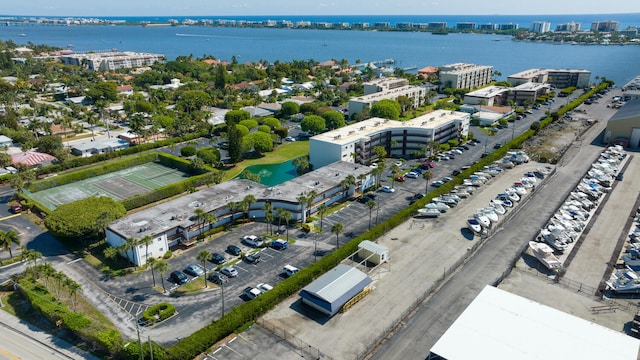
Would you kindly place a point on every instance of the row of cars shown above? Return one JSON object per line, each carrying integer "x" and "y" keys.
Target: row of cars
{"x": 226, "y": 272}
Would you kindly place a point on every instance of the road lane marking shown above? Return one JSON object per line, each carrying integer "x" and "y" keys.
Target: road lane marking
{"x": 9, "y": 217}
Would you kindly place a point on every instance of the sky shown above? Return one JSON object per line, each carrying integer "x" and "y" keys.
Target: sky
{"x": 312, "y": 7}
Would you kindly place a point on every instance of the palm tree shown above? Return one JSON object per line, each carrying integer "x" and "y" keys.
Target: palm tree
{"x": 129, "y": 244}
{"x": 280, "y": 212}
{"x": 146, "y": 240}
{"x": 203, "y": 256}
{"x": 395, "y": 170}
{"x": 152, "y": 262}
{"x": 303, "y": 201}
{"x": 311, "y": 196}
{"x": 427, "y": 176}
{"x": 249, "y": 200}
{"x": 377, "y": 172}
{"x": 7, "y": 239}
{"x": 211, "y": 219}
{"x": 199, "y": 217}
{"x": 287, "y": 216}
{"x": 162, "y": 267}
{"x": 233, "y": 206}
{"x": 337, "y": 228}
{"x": 322, "y": 209}
{"x": 31, "y": 256}
{"x": 268, "y": 215}
{"x": 370, "y": 204}
{"x": 73, "y": 288}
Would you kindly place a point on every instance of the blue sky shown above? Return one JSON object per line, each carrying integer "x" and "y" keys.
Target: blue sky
{"x": 312, "y": 7}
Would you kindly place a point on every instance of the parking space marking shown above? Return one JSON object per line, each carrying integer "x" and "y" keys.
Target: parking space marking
{"x": 247, "y": 340}
{"x": 240, "y": 268}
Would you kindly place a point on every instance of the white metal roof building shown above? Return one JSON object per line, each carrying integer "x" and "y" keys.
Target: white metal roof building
{"x": 331, "y": 291}
{"x": 501, "y": 325}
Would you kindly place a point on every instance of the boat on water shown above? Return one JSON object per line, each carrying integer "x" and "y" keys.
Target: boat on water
{"x": 624, "y": 281}
{"x": 474, "y": 226}
{"x": 428, "y": 213}
{"x": 544, "y": 254}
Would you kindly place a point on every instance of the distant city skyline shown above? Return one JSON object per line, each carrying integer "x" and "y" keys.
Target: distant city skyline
{"x": 311, "y": 7}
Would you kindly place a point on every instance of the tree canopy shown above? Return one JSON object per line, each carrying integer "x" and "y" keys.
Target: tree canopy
{"x": 82, "y": 218}
{"x": 334, "y": 119}
{"x": 262, "y": 142}
{"x": 386, "y": 109}
{"x": 313, "y": 123}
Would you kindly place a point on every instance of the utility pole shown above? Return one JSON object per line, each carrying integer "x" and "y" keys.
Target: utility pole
{"x": 222, "y": 287}
{"x": 150, "y": 348}
{"x": 139, "y": 339}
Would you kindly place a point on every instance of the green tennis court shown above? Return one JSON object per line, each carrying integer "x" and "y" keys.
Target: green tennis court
{"x": 118, "y": 185}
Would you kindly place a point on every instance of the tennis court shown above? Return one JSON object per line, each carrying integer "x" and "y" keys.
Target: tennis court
{"x": 118, "y": 185}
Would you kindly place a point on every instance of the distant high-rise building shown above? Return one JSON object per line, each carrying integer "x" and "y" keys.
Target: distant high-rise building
{"x": 605, "y": 26}
{"x": 570, "y": 26}
{"x": 465, "y": 25}
{"x": 487, "y": 27}
{"x": 508, "y": 27}
{"x": 437, "y": 25}
{"x": 540, "y": 27}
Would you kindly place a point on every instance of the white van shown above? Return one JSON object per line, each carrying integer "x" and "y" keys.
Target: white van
{"x": 289, "y": 270}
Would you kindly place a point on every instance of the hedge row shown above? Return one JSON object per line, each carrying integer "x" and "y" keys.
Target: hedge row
{"x": 199, "y": 341}
{"x": 163, "y": 311}
{"x": 101, "y": 341}
{"x": 90, "y": 172}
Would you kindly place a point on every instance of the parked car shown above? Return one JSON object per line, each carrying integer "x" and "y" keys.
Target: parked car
{"x": 437, "y": 183}
{"x": 412, "y": 175}
{"x": 485, "y": 154}
{"x": 387, "y": 189}
{"x": 447, "y": 178}
{"x": 178, "y": 277}
{"x": 290, "y": 270}
{"x": 229, "y": 271}
{"x": 252, "y": 293}
{"x": 427, "y": 165}
{"x": 497, "y": 146}
{"x": 234, "y": 250}
{"x": 400, "y": 178}
{"x": 252, "y": 258}
{"x": 455, "y": 172}
{"x": 16, "y": 208}
{"x": 620, "y": 176}
{"x": 252, "y": 240}
{"x": 217, "y": 259}
{"x": 280, "y": 244}
{"x": 264, "y": 287}
{"x": 217, "y": 278}
{"x": 194, "y": 270}
{"x": 289, "y": 138}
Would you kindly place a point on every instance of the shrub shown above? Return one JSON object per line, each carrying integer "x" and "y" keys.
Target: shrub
{"x": 167, "y": 255}
{"x": 158, "y": 312}
{"x": 187, "y": 151}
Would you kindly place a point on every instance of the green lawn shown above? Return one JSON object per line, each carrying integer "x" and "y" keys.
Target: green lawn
{"x": 284, "y": 152}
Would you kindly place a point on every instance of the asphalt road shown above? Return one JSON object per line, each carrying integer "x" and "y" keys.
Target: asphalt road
{"x": 492, "y": 261}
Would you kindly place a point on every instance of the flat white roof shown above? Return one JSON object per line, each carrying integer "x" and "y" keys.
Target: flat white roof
{"x": 487, "y": 92}
{"x": 387, "y": 94}
{"x": 359, "y": 130}
{"x": 501, "y": 325}
{"x": 530, "y": 86}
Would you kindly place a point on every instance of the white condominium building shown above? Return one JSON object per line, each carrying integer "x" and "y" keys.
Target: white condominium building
{"x": 389, "y": 88}
{"x": 465, "y": 76}
{"x": 356, "y": 142}
{"x": 112, "y": 60}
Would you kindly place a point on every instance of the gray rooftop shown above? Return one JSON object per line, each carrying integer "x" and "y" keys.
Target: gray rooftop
{"x": 631, "y": 109}
{"x": 174, "y": 213}
{"x": 100, "y": 144}
{"x": 335, "y": 283}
